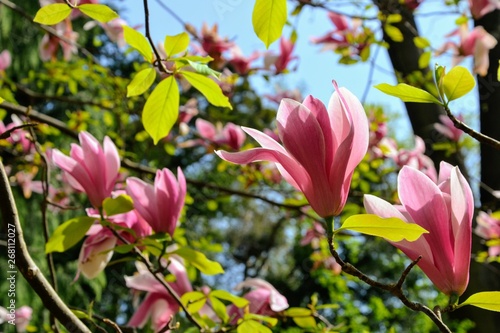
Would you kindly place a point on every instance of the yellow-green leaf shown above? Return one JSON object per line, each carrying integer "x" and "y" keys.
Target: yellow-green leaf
{"x": 268, "y": 19}
{"x": 225, "y": 295}
{"x": 305, "y": 322}
{"x": 137, "y": 41}
{"x": 52, "y": 14}
{"x": 68, "y": 234}
{"x": 219, "y": 308}
{"x": 457, "y": 82}
{"x": 161, "y": 109}
{"x": 392, "y": 229}
{"x": 408, "y": 93}
{"x": 1, "y": 100}
{"x": 252, "y": 326}
{"x": 194, "y": 300}
{"x": 176, "y": 44}
{"x": 298, "y": 312}
{"x": 394, "y": 33}
{"x": 119, "y": 205}
{"x": 200, "y": 261}
{"x": 98, "y": 12}
{"x": 424, "y": 59}
{"x": 204, "y": 69}
{"x": 141, "y": 82}
{"x": 208, "y": 88}
{"x": 488, "y": 300}
{"x": 498, "y": 71}
{"x": 421, "y": 42}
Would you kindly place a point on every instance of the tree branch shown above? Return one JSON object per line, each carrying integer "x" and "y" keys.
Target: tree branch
{"x": 27, "y": 266}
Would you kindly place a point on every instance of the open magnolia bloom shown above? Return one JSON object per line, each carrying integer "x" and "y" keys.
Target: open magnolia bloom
{"x": 445, "y": 210}
{"x": 321, "y": 147}
{"x": 91, "y": 168}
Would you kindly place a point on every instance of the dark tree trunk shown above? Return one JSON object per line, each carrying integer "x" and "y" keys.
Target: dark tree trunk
{"x": 404, "y": 57}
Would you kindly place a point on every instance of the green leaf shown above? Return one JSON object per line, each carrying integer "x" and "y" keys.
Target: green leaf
{"x": 68, "y": 234}
{"x": 1, "y": 100}
{"x": 268, "y": 19}
{"x": 269, "y": 320}
{"x": 421, "y": 42}
{"x": 393, "y": 229}
{"x": 305, "y": 322}
{"x": 439, "y": 73}
{"x": 200, "y": 261}
{"x": 124, "y": 248}
{"x": 52, "y": 14}
{"x": 488, "y": 300}
{"x": 119, "y": 205}
{"x": 458, "y": 82}
{"x": 137, "y": 41}
{"x": 394, "y": 18}
{"x": 219, "y": 308}
{"x": 141, "y": 82}
{"x": 298, "y": 312}
{"x": 176, "y": 44}
{"x": 394, "y": 33}
{"x": 101, "y": 13}
{"x": 197, "y": 58}
{"x": 161, "y": 109}
{"x": 194, "y": 300}
{"x": 408, "y": 93}
{"x": 225, "y": 295}
{"x": 498, "y": 71}
{"x": 424, "y": 59}
{"x": 252, "y": 326}
{"x": 208, "y": 88}
{"x": 204, "y": 69}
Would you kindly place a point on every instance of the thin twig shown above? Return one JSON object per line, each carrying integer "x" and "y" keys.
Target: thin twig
{"x": 27, "y": 266}
{"x": 160, "y": 64}
{"x": 466, "y": 129}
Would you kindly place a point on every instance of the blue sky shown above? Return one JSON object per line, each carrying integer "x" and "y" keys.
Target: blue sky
{"x": 315, "y": 69}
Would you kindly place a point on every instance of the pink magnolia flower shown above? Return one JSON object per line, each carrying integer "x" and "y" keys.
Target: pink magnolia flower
{"x": 21, "y": 317}
{"x": 5, "y": 60}
{"x": 281, "y": 60}
{"x": 49, "y": 45}
{"x": 239, "y": 62}
{"x": 283, "y": 93}
{"x": 159, "y": 204}
{"x": 488, "y": 227}
{"x": 91, "y": 168}
{"x": 477, "y": 42}
{"x": 231, "y": 135}
{"x": 352, "y": 38}
{"x": 445, "y": 210}
{"x": 97, "y": 249}
{"x": 264, "y": 299}
{"x": 417, "y": 159}
{"x": 321, "y": 148}
{"x": 448, "y": 129}
{"x": 479, "y": 8}
{"x": 19, "y": 136}
{"x": 158, "y": 304}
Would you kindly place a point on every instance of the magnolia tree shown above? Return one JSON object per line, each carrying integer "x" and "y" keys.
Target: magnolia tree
{"x": 191, "y": 204}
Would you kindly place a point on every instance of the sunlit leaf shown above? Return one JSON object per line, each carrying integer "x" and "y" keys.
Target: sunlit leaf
{"x": 268, "y": 19}
{"x": 457, "y": 82}
{"x": 225, "y": 295}
{"x": 424, "y": 59}
{"x": 488, "y": 300}
{"x": 194, "y": 300}
{"x": 407, "y": 93}
{"x": 298, "y": 312}
{"x": 176, "y": 44}
{"x": 252, "y": 326}
{"x": 208, "y": 88}
{"x": 305, "y": 322}
{"x": 439, "y": 72}
{"x": 161, "y": 109}
{"x": 139, "y": 42}
{"x": 1, "y": 100}
{"x": 200, "y": 261}
{"x": 141, "y": 82}
{"x": 219, "y": 308}
{"x": 269, "y": 320}
{"x": 119, "y": 205}
{"x": 52, "y": 14}
{"x": 421, "y": 42}
{"x": 204, "y": 69}
{"x": 68, "y": 234}
{"x": 394, "y": 33}
{"x": 98, "y": 12}
{"x": 393, "y": 229}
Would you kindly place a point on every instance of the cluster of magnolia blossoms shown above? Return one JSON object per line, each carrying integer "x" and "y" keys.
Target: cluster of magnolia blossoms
{"x": 94, "y": 170}
{"x": 322, "y": 147}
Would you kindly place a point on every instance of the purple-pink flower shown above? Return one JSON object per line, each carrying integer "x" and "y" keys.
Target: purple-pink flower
{"x": 282, "y": 60}
{"x": 445, "y": 210}
{"x": 479, "y": 8}
{"x": 488, "y": 227}
{"x": 264, "y": 299}
{"x": 158, "y": 304}
{"x": 321, "y": 148}
{"x": 5, "y": 60}
{"x": 448, "y": 129}
{"x": 91, "y": 168}
{"x": 159, "y": 204}
{"x": 230, "y": 135}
